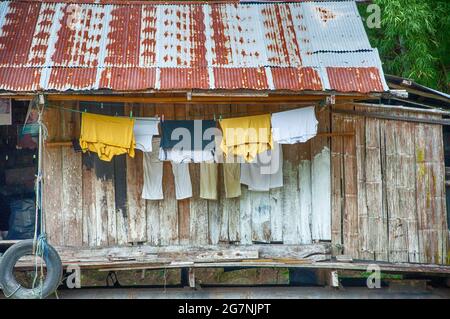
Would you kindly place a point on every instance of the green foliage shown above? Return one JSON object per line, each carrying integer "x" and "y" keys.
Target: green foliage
{"x": 413, "y": 39}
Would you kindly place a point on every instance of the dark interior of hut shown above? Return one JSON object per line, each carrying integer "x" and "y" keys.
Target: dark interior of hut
{"x": 18, "y": 165}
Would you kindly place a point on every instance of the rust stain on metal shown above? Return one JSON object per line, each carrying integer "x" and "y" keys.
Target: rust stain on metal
{"x": 363, "y": 80}
{"x": 17, "y": 33}
{"x": 72, "y": 78}
{"x": 20, "y": 79}
{"x": 181, "y": 78}
{"x": 235, "y": 78}
{"x": 325, "y": 14}
{"x": 148, "y": 35}
{"x": 221, "y": 48}
{"x": 281, "y": 33}
{"x": 198, "y": 38}
{"x": 296, "y": 79}
{"x": 124, "y": 36}
{"x": 132, "y": 78}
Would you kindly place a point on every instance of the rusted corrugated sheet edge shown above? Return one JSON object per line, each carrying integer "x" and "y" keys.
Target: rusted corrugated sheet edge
{"x": 338, "y": 79}
{"x": 380, "y": 69}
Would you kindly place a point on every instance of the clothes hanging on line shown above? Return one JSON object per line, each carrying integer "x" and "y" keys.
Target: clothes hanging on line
{"x": 107, "y": 135}
{"x": 153, "y": 174}
{"x": 208, "y": 180}
{"x": 144, "y": 130}
{"x": 294, "y": 126}
{"x": 266, "y": 172}
{"x": 183, "y": 185}
{"x": 246, "y": 136}
{"x": 186, "y": 141}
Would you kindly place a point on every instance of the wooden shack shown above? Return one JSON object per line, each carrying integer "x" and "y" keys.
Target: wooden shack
{"x": 370, "y": 186}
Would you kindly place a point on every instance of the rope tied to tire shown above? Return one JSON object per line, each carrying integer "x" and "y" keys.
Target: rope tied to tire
{"x": 42, "y": 252}
{"x": 38, "y": 247}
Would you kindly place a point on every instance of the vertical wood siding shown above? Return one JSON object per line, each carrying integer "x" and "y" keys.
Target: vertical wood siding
{"x": 384, "y": 197}
{"x": 388, "y": 189}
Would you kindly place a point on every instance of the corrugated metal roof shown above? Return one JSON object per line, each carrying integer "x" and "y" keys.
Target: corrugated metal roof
{"x": 262, "y": 46}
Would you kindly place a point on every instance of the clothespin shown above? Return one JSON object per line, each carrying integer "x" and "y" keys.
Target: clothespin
{"x": 220, "y": 117}
{"x": 214, "y": 117}
{"x": 162, "y": 120}
{"x": 131, "y": 114}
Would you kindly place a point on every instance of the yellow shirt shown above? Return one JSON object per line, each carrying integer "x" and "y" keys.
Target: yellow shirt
{"x": 246, "y": 136}
{"x": 107, "y": 135}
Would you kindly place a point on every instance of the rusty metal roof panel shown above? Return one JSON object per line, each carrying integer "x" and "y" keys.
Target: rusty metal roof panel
{"x": 282, "y": 43}
{"x": 126, "y": 78}
{"x": 363, "y": 80}
{"x": 297, "y": 79}
{"x": 19, "y": 79}
{"x": 107, "y": 45}
{"x": 240, "y": 78}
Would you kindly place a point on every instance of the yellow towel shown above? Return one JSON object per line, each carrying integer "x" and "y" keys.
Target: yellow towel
{"x": 107, "y": 135}
{"x": 231, "y": 177}
{"x": 208, "y": 180}
{"x": 246, "y": 136}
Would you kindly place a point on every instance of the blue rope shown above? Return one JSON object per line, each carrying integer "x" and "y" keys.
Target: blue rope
{"x": 42, "y": 246}
{"x": 41, "y": 251}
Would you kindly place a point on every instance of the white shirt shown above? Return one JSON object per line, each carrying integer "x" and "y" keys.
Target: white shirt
{"x": 144, "y": 130}
{"x": 294, "y": 126}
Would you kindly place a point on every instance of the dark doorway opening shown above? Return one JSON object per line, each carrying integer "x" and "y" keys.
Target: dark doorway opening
{"x": 18, "y": 167}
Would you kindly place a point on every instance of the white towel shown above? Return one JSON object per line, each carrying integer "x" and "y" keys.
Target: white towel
{"x": 153, "y": 174}
{"x": 266, "y": 172}
{"x": 294, "y": 126}
{"x": 183, "y": 186}
{"x": 144, "y": 130}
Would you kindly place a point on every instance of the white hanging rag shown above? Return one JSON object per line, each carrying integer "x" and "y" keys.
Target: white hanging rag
{"x": 144, "y": 130}
{"x": 266, "y": 172}
{"x": 294, "y": 126}
{"x": 183, "y": 185}
{"x": 153, "y": 174}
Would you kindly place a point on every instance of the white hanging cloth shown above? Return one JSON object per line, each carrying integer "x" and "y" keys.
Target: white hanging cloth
{"x": 144, "y": 130}
{"x": 153, "y": 174}
{"x": 266, "y": 172}
{"x": 294, "y": 126}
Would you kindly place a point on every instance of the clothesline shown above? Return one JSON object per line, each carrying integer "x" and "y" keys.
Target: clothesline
{"x": 191, "y": 116}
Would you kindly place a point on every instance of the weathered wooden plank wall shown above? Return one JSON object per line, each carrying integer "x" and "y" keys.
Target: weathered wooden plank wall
{"x": 105, "y": 207}
{"x": 388, "y": 189}
{"x": 384, "y": 199}
{"x": 62, "y": 179}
